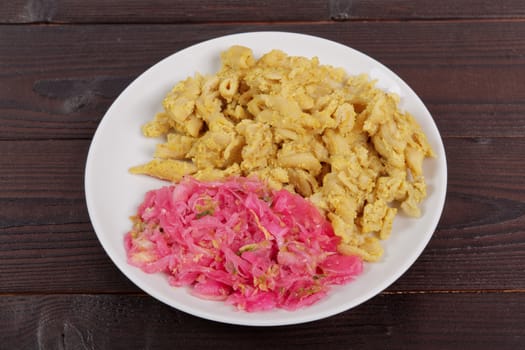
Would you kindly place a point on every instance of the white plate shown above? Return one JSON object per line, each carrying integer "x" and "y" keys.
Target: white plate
{"x": 112, "y": 194}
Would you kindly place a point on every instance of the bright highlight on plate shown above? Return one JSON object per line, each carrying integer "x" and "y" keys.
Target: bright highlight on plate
{"x": 113, "y": 194}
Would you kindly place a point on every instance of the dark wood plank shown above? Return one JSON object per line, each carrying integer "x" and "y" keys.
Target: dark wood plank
{"x": 65, "y": 258}
{"x": 470, "y": 74}
{"x": 43, "y": 170}
{"x": 161, "y": 11}
{"x": 487, "y": 167}
{"x": 415, "y": 321}
{"x": 46, "y": 241}
{"x": 187, "y": 11}
{"x": 424, "y": 9}
{"x": 478, "y": 120}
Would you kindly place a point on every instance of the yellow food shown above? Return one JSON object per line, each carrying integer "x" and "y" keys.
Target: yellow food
{"x": 310, "y": 128}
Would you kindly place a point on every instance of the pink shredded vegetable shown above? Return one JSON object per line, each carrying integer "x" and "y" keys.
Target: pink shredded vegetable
{"x": 240, "y": 242}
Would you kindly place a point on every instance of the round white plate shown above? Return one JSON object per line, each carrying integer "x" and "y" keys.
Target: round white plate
{"x": 113, "y": 194}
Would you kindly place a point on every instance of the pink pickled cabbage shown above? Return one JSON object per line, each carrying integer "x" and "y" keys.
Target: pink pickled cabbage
{"x": 239, "y": 242}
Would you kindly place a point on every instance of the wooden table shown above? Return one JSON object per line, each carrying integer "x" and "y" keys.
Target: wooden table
{"x": 63, "y": 62}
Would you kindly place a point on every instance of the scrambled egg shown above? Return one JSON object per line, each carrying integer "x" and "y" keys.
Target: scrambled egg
{"x": 335, "y": 139}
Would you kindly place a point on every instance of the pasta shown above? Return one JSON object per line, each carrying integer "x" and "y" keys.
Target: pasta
{"x": 296, "y": 124}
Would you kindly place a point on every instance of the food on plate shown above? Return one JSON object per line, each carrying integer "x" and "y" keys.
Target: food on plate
{"x": 335, "y": 139}
{"x": 239, "y": 241}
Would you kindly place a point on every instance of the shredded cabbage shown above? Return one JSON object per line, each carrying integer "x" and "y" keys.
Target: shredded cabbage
{"x": 238, "y": 241}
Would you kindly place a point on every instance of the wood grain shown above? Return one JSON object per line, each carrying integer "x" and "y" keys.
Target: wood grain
{"x": 187, "y": 11}
{"x": 415, "y": 321}
{"x": 424, "y": 9}
{"x": 57, "y": 258}
{"x": 46, "y": 241}
{"x": 470, "y": 74}
{"x": 161, "y": 11}
{"x": 63, "y": 62}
